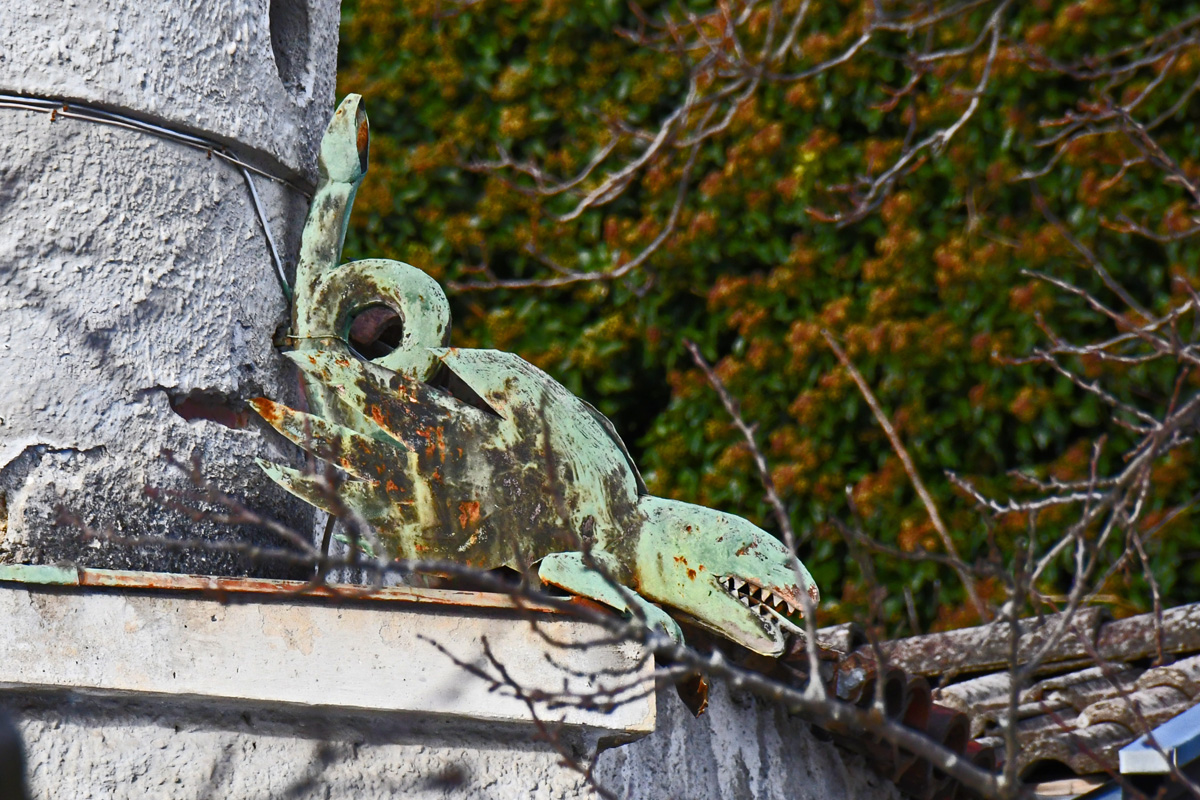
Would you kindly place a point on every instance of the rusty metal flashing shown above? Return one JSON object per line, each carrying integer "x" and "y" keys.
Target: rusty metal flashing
{"x": 46, "y": 575}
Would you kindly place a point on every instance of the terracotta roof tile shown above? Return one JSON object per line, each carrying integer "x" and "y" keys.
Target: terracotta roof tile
{"x": 1074, "y": 716}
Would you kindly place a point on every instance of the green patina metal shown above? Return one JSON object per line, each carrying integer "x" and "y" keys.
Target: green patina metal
{"x": 478, "y": 457}
{"x": 45, "y": 574}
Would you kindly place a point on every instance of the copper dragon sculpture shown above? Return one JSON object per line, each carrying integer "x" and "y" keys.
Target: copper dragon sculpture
{"x": 478, "y": 457}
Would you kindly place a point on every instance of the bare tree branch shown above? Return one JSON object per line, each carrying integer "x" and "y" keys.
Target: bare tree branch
{"x": 910, "y": 469}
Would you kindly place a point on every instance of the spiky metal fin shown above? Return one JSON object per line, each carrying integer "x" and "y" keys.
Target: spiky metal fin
{"x": 361, "y": 456}
{"x": 393, "y": 404}
{"x": 485, "y": 372}
{"x": 340, "y": 371}
{"x": 532, "y": 406}
{"x": 317, "y": 491}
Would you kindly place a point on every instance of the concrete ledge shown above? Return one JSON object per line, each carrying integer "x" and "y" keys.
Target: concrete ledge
{"x": 202, "y": 638}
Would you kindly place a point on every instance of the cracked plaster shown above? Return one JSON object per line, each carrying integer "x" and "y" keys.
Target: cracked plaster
{"x": 133, "y": 267}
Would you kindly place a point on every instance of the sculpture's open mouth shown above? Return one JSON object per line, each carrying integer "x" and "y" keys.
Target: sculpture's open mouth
{"x": 765, "y": 603}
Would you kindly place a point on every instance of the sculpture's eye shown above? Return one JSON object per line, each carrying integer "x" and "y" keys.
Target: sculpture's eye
{"x": 376, "y": 331}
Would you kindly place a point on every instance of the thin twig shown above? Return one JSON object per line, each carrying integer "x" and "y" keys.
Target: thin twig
{"x": 910, "y": 468}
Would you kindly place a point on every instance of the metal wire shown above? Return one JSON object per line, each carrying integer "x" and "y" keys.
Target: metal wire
{"x": 262, "y": 218}
{"x": 72, "y": 110}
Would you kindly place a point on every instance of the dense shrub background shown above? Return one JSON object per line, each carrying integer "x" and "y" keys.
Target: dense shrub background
{"x": 926, "y": 292}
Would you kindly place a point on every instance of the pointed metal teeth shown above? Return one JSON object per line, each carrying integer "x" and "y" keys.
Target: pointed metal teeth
{"x": 760, "y": 599}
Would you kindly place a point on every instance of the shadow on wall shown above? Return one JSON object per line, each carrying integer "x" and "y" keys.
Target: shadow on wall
{"x": 12, "y": 762}
{"x": 290, "y": 42}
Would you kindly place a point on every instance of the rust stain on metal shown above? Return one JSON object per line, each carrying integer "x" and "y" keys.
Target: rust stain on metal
{"x": 363, "y": 136}
{"x": 170, "y": 582}
{"x": 266, "y": 409}
{"x": 468, "y": 514}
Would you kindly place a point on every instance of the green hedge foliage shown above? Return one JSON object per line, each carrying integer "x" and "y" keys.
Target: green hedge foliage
{"x": 926, "y": 292}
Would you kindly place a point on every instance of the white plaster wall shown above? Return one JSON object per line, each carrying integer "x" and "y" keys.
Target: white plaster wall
{"x": 133, "y": 269}
{"x": 91, "y": 749}
{"x": 208, "y": 67}
{"x": 738, "y": 750}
